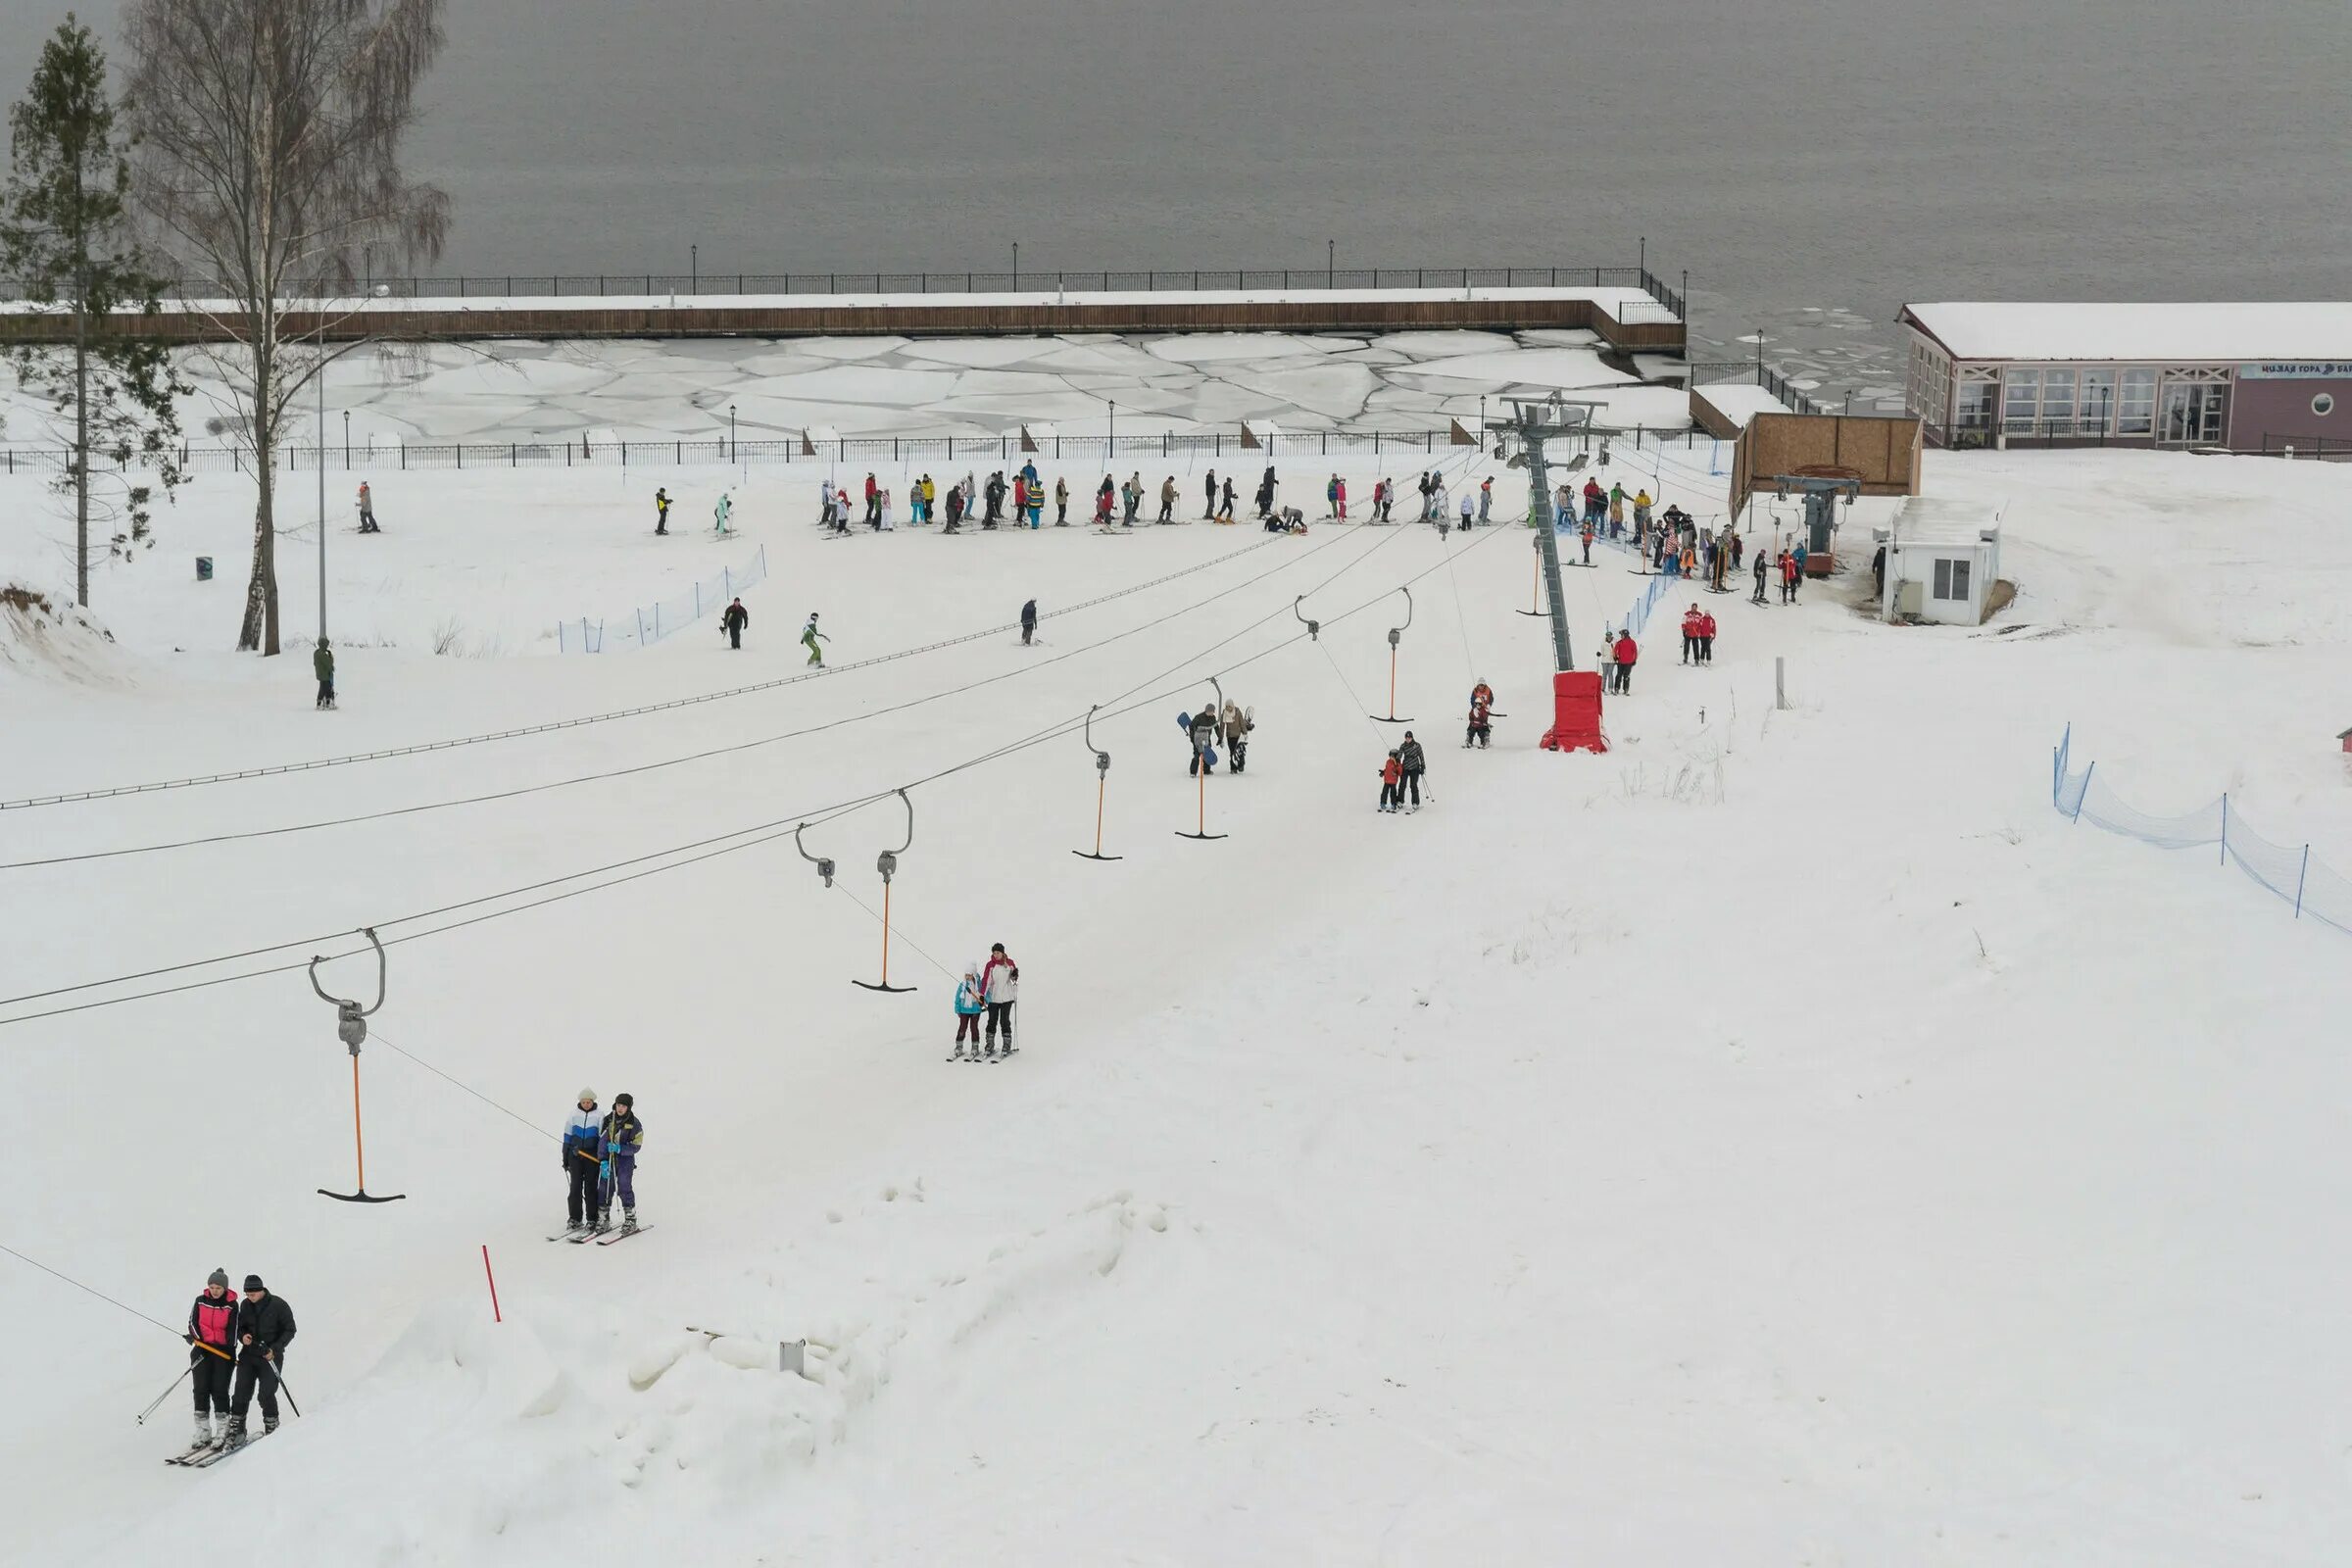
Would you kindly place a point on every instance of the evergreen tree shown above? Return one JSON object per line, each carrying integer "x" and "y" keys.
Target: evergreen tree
{"x": 67, "y": 246}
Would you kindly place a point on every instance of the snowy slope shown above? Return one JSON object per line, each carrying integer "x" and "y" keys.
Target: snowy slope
{"x": 1780, "y": 1140}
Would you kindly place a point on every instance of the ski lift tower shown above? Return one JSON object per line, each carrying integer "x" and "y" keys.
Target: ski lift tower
{"x": 1576, "y": 695}
{"x": 1821, "y": 485}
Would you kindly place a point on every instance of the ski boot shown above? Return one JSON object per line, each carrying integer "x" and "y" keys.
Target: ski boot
{"x": 629, "y": 1221}
{"x": 603, "y": 1223}
{"x": 204, "y": 1434}
{"x": 234, "y": 1436}
{"x": 268, "y": 1423}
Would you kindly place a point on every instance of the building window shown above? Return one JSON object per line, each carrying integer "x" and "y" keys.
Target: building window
{"x": 2193, "y": 412}
{"x": 2323, "y": 405}
{"x": 2135, "y": 408}
{"x": 2097, "y": 413}
{"x": 1974, "y": 412}
{"x": 1951, "y": 580}
{"x": 1931, "y": 379}
{"x": 2021, "y": 399}
{"x": 2057, "y": 401}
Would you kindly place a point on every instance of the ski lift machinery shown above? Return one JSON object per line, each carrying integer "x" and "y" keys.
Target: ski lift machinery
{"x": 351, "y": 1027}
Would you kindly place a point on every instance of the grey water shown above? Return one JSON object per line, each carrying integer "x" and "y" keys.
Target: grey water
{"x": 1811, "y": 163}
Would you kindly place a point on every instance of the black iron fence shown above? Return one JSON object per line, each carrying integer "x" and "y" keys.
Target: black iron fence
{"x": 1267, "y": 446}
{"x": 2037, "y": 434}
{"x": 2326, "y": 449}
{"x": 569, "y": 285}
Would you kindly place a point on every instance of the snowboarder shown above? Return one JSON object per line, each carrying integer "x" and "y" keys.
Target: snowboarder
{"x": 322, "y": 665}
{"x": 264, "y": 1328}
{"x": 367, "y": 509}
{"x": 1001, "y": 985}
{"x": 810, "y": 637}
{"x": 623, "y": 1136}
{"x": 732, "y": 620}
{"x": 721, "y": 513}
{"x": 1237, "y": 722}
{"x": 1028, "y": 623}
{"x": 1390, "y": 771}
{"x": 970, "y": 1002}
{"x": 1482, "y": 726}
{"x": 1167, "y": 500}
{"x": 1616, "y": 508}
{"x": 1203, "y": 728}
{"x": 212, "y": 1337}
{"x": 583, "y": 1155}
{"x": 1627, "y": 653}
{"x": 661, "y": 508}
{"x": 1411, "y": 758}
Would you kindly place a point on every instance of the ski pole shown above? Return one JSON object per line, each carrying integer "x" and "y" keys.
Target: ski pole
{"x": 166, "y": 1394}
{"x": 282, "y": 1385}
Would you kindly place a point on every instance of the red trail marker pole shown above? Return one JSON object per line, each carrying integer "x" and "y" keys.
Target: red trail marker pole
{"x": 495, "y": 1315}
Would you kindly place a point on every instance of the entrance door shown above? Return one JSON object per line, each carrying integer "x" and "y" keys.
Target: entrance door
{"x": 2193, "y": 414}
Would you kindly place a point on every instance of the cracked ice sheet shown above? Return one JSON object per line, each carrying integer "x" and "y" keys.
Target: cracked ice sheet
{"x": 1444, "y": 345}
{"x": 1203, "y": 348}
{"x": 1548, "y": 368}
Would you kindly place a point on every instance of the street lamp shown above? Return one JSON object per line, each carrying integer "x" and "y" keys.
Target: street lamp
{"x": 1114, "y": 453}
{"x": 1016, "y": 265}
{"x": 1330, "y": 264}
{"x": 346, "y": 440}
{"x": 734, "y": 447}
{"x": 694, "y": 268}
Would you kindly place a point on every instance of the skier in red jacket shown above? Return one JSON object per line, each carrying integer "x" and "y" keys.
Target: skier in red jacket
{"x": 1690, "y": 624}
{"x": 1627, "y": 652}
{"x": 1706, "y": 639}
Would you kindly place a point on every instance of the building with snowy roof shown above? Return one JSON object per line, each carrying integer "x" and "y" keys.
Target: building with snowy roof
{"x": 2240, "y": 377}
{"x": 1942, "y": 562}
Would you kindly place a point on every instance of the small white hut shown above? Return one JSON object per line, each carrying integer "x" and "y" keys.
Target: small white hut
{"x": 1942, "y": 558}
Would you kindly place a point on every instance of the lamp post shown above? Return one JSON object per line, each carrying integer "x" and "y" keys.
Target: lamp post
{"x": 694, "y": 268}
{"x": 1016, "y": 265}
{"x": 1113, "y": 452}
{"x": 734, "y": 447}
{"x": 1330, "y": 264}
{"x": 346, "y": 440}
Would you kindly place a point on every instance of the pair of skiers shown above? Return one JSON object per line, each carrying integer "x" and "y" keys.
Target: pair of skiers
{"x": 1402, "y": 772}
{"x": 1335, "y": 495}
{"x": 600, "y": 1161}
{"x": 1482, "y": 716}
{"x": 1698, "y": 637}
{"x": 989, "y": 988}
{"x": 367, "y": 509}
{"x": 236, "y": 1349}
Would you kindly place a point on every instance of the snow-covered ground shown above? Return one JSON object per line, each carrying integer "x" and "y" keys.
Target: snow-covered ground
{"x": 687, "y": 389}
{"x": 1780, "y": 1140}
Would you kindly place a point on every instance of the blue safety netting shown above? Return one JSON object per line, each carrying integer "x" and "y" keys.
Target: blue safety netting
{"x": 2290, "y": 870}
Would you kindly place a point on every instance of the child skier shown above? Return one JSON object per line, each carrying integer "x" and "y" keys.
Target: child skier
{"x": 970, "y": 1003}
{"x": 1390, "y": 771}
{"x": 810, "y": 637}
{"x": 1482, "y": 727}
{"x": 624, "y": 1139}
{"x": 322, "y": 665}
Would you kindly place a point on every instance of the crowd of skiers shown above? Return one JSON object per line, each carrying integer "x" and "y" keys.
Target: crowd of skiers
{"x": 236, "y": 1353}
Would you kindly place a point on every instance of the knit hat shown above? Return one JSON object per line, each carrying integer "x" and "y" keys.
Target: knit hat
{"x": 624, "y": 1100}
{"x": 220, "y": 1277}
{"x": 587, "y": 1097}
{"x": 253, "y": 1282}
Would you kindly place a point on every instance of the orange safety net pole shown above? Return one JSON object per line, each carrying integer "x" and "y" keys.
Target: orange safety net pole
{"x": 886, "y": 933}
{"x": 358, "y": 1145}
{"x": 1099, "y": 784}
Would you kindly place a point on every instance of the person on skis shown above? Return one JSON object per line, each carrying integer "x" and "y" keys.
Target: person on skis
{"x": 1642, "y": 505}
{"x": 662, "y": 509}
{"x": 1416, "y": 763}
{"x": 1596, "y": 501}
{"x": 721, "y": 513}
{"x": 1481, "y": 724}
{"x": 970, "y": 1002}
{"x": 1208, "y": 500}
{"x": 212, "y": 1337}
{"x": 264, "y": 1328}
{"x": 1062, "y": 501}
{"x": 367, "y": 509}
{"x": 1020, "y": 499}
{"x": 1265, "y": 493}
{"x": 1103, "y": 502}
{"x": 733, "y": 619}
{"x": 810, "y": 637}
{"x": 1758, "y": 597}
{"x": 583, "y": 1157}
{"x": 1390, "y": 771}
{"x": 873, "y": 500}
{"x": 1167, "y": 499}
{"x": 1585, "y": 537}
{"x": 322, "y": 665}
{"x": 1028, "y": 623}
{"x": 1134, "y": 498}
{"x": 1691, "y": 622}
{"x": 1001, "y": 984}
{"x": 1225, "y": 506}
{"x": 1706, "y": 638}
{"x": 1465, "y": 512}
{"x": 1485, "y": 501}
{"x": 1627, "y": 652}
{"x": 623, "y": 1136}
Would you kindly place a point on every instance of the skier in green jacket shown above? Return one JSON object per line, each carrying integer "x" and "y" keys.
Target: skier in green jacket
{"x": 322, "y": 665}
{"x": 810, "y": 637}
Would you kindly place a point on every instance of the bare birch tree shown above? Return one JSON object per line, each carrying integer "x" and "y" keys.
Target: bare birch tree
{"x": 269, "y": 160}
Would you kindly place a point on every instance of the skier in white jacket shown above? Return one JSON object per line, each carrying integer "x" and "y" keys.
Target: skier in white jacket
{"x": 1001, "y": 984}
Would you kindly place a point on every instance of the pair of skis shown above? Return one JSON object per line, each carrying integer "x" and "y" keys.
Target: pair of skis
{"x": 204, "y": 1459}
{"x": 584, "y": 1233}
{"x": 993, "y": 1056}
